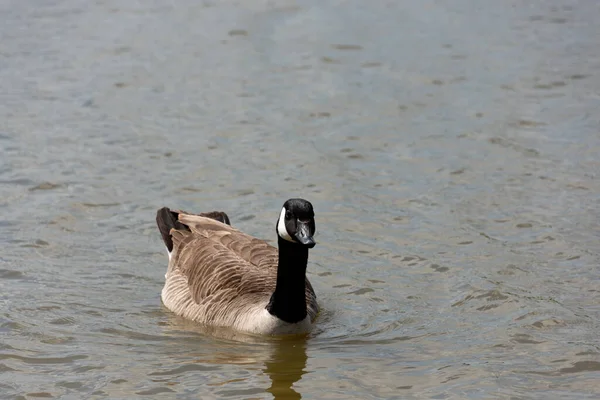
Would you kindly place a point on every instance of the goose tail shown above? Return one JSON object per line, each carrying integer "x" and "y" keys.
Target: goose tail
{"x": 167, "y": 220}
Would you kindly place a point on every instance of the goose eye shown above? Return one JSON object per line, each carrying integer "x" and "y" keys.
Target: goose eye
{"x": 288, "y": 214}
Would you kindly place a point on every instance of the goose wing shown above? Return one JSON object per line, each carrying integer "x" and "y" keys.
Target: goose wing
{"x": 221, "y": 263}
{"x": 254, "y": 251}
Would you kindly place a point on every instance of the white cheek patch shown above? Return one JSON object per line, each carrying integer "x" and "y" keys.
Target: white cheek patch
{"x": 281, "y": 231}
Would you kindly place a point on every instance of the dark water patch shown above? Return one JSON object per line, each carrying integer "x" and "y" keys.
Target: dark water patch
{"x": 122, "y": 50}
{"x": 587, "y": 353}
{"x": 99, "y": 205}
{"x": 355, "y": 156}
{"x": 459, "y": 79}
{"x": 63, "y": 321}
{"x": 577, "y": 186}
{"x": 411, "y": 258}
{"x": 438, "y": 268}
{"x": 185, "y": 368}
{"x": 582, "y": 366}
{"x": 487, "y": 296}
{"x": 154, "y": 391}
{"x": 524, "y": 225}
{"x": 45, "y": 186}
{"x": 540, "y": 373}
{"x": 70, "y": 385}
{"x": 576, "y": 77}
{"x": 559, "y": 20}
{"x": 361, "y": 291}
{"x": 5, "y": 368}
{"x": 245, "y": 192}
{"x": 511, "y": 270}
{"x": 320, "y": 114}
{"x": 346, "y": 47}
{"x": 371, "y": 64}
{"x": 238, "y": 32}
{"x": 548, "y": 323}
{"x": 11, "y": 326}
{"x": 11, "y": 274}
{"x": 5, "y": 224}
{"x": 40, "y": 395}
{"x": 528, "y": 123}
{"x": 37, "y": 244}
{"x": 189, "y": 189}
{"x": 523, "y": 338}
{"x": 329, "y": 60}
{"x": 18, "y": 181}
{"x": 512, "y": 145}
{"x": 43, "y": 360}
{"x": 544, "y": 239}
{"x": 87, "y": 368}
{"x": 550, "y": 85}
{"x": 93, "y": 313}
{"x": 57, "y": 340}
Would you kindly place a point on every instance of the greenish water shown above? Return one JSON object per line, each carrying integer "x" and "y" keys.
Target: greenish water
{"x": 451, "y": 151}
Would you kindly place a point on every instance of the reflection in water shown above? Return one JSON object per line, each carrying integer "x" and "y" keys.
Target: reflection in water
{"x": 284, "y": 358}
{"x": 286, "y": 367}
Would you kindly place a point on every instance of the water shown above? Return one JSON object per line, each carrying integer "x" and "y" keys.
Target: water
{"x": 451, "y": 151}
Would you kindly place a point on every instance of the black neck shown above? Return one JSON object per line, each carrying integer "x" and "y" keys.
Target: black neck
{"x": 288, "y": 301}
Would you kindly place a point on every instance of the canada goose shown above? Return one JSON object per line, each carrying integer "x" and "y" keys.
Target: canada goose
{"x": 220, "y": 276}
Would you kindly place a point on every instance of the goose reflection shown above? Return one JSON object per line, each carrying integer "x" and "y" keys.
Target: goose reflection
{"x": 286, "y": 367}
{"x": 283, "y": 358}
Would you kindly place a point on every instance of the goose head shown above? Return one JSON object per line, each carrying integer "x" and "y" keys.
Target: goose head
{"x": 296, "y": 222}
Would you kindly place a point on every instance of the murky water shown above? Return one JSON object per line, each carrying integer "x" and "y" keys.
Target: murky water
{"x": 451, "y": 150}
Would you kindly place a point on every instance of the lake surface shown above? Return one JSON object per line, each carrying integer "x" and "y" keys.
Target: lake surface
{"x": 451, "y": 151}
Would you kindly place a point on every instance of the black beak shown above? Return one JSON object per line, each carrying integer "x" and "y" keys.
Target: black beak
{"x": 304, "y": 233}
